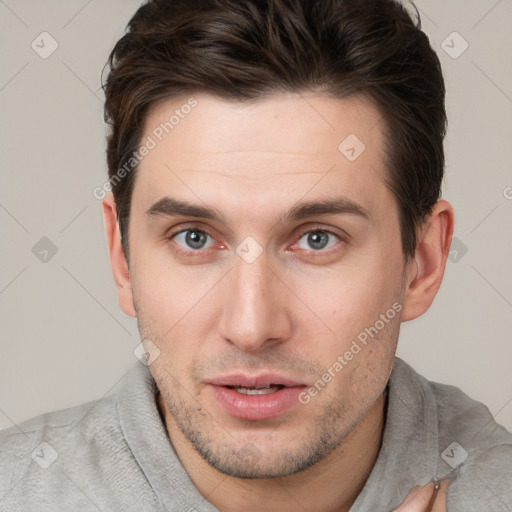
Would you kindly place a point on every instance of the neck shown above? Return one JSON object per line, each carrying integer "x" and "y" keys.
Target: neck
{"x": 331, "y": 485}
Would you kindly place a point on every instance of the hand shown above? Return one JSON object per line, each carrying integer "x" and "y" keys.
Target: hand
{"x": 426, "y": 499}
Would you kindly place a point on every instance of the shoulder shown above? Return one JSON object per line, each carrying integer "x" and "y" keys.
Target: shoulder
{"x": 57, "y": 424}
{"x": 80, "y": 458}
{"x": 476, "y": 453}
{"x": 474, "y": 450}
{"x": 37, "y": 453}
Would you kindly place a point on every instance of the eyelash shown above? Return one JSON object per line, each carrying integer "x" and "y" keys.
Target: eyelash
{"x": 202, "y": 252}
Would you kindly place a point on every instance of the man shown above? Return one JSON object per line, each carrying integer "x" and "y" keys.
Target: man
{"x": 275, "y": 214}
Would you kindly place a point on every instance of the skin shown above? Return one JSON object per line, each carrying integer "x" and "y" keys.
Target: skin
{"x": 426, "y": 499}
{"x": 292, "y": 311}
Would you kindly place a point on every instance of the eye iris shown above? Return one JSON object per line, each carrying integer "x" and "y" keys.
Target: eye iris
{"x": 318, "y": 239}
{"x": 195, "y": 239}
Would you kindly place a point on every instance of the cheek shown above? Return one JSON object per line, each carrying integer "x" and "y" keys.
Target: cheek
{"x": 165, "y": 290}
{"x": 349, "y": 298}
{"x": 358, "y": 349}
{"x": 175, "y": 306}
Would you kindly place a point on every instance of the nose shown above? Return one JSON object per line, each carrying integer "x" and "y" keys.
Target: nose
{"x": 254, "y": 306}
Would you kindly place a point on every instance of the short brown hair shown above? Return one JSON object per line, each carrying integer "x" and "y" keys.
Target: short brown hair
{"x": 247, "y": 49}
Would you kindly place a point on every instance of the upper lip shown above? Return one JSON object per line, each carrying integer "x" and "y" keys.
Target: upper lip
{"x": 251, "y": 381}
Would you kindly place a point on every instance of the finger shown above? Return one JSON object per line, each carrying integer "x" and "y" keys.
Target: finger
{"x": 439, "y": 504}
{"x": 417, "y": 500}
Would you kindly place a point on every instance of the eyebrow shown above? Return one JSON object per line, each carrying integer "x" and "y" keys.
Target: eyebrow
{"x": 171, "y": 207}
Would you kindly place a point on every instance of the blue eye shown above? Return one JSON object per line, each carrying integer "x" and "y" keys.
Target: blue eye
{"x": 193, "y": 239}
{"x": 317, "y": 239}
{"x": 196, "y": 242}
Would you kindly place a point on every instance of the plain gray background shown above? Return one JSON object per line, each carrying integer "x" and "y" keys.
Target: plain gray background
{"x": 64, "y": 340}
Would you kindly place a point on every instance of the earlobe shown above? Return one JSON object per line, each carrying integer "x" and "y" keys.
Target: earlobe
{"x": 120, "y": 269}
{"x": 427, "y": 270}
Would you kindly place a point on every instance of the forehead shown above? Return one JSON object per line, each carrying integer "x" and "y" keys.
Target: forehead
{"x": 298, "y": 123}
{"x": 273, "y": 150}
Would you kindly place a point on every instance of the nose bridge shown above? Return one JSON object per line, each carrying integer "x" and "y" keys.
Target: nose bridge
{"x": 252, "y": 313}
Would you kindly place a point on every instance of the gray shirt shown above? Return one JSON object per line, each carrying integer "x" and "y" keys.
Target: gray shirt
{"x": 114, "y": 454}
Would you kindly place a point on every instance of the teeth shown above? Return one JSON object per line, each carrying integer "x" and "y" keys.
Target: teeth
{"x": 257, "y": 390}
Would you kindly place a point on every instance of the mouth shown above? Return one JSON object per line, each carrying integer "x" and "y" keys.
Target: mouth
{"x": 255, "y": 398}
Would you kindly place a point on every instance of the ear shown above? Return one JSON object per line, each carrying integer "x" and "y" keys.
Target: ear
{"x": 118, "y": 261}
{"x": 425, "y": 273}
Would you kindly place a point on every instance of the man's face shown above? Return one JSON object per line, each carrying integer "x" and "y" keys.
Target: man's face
{"x": 259, "y": 296}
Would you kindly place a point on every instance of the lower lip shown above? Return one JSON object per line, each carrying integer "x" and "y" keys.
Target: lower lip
{"x": 256, "y": 407}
